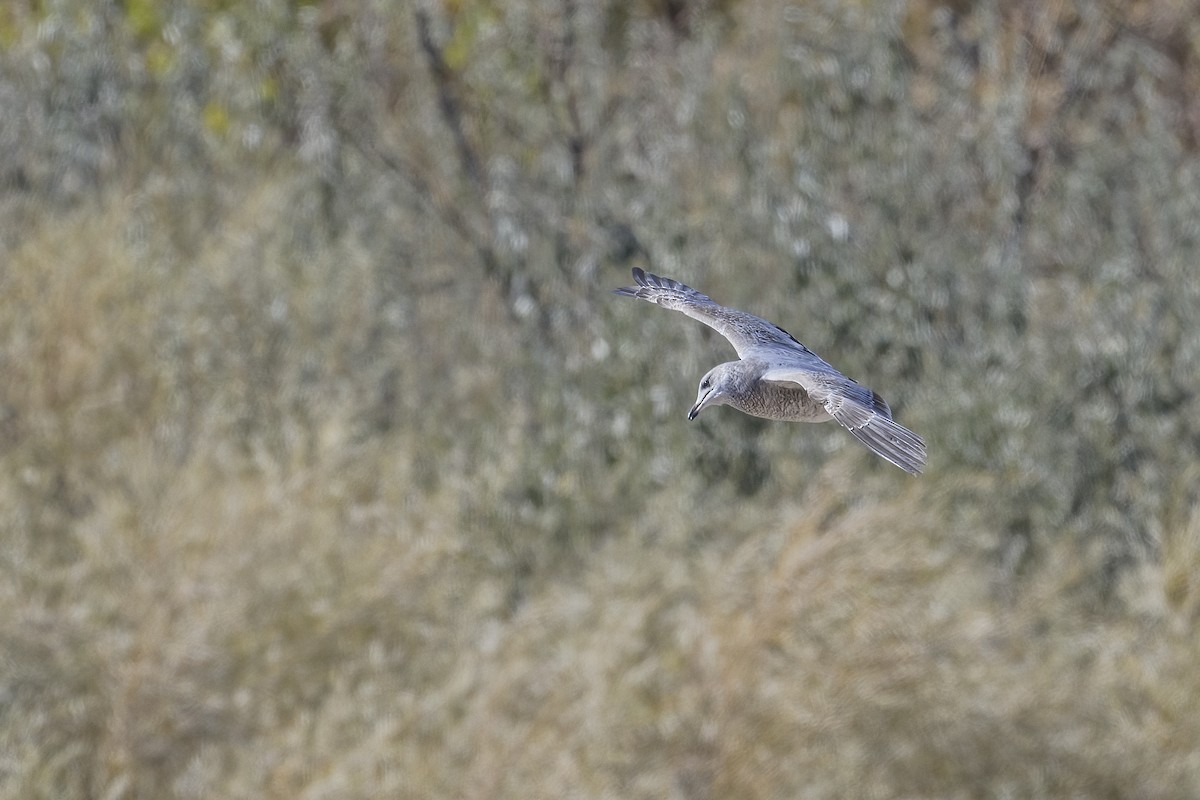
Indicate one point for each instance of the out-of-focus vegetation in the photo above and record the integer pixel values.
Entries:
(331, 469)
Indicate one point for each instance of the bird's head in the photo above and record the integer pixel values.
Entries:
(714, 390)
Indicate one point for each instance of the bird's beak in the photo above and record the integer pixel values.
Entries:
(695, 410)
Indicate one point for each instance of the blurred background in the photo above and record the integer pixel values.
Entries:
(331, 468)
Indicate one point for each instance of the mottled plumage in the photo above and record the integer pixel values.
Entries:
(779, 378)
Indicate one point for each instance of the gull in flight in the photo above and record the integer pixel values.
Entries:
(776, 377)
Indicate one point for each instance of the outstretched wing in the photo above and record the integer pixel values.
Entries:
(745, 332)
(859, 410)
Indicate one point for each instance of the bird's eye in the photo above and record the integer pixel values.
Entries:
(704, 384)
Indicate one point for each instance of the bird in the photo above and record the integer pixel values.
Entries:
(776, 377)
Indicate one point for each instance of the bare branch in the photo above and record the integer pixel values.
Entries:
(443, 78)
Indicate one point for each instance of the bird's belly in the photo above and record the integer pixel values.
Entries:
(805, 412)
(783, 403)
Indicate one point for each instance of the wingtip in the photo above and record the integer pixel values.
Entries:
(893, 443)
(913, 467)
(642, 279)
(911, 462)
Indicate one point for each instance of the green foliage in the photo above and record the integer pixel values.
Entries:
(142, 17)
(331, 467)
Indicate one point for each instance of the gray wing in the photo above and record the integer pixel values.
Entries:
(745, 332)
(859, 410)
